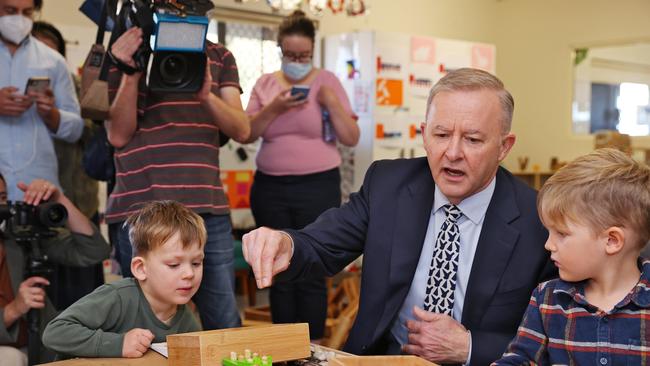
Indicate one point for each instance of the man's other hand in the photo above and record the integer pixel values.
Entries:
(13, 104)
(437, 337)
(45, 104)
(136, 342)
(39, 190)
(203, 95)
(31, 294)
(125, 46)
(268, 252)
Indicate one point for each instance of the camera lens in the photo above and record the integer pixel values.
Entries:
(52, 214)
(174, 69)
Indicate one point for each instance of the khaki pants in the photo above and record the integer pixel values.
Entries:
(11, 356)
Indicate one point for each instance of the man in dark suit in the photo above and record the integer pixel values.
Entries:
(454, 234)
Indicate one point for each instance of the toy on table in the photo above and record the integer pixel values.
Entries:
(247, 359)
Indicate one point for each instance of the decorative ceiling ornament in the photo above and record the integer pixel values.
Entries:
(355, 7)
(317, 7)
(291, 4)
(336, 6)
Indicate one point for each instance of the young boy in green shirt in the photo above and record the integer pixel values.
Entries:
(123, 318)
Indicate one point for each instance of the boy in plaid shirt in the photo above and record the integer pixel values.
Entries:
(597, 212)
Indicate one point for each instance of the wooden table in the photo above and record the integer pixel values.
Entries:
(151, 358)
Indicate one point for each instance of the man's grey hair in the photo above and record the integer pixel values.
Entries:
(468, 79)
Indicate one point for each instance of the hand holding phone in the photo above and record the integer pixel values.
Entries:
(301, 90)
(12, 102)
(37, 85)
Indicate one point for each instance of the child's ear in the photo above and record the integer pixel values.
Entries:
(139, 268)
(615, 239)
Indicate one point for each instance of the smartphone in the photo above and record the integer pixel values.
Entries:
(302, 90)
(37, 84)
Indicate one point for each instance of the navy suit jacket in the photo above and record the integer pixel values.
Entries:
(386, 221)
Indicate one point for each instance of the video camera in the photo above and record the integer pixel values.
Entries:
(28, 224)
(175, 31)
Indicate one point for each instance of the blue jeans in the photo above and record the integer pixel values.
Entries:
(216, 296)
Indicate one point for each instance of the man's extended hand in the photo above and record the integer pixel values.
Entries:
(268, 252)
(136, 342)
(437, 337)
(13, 104)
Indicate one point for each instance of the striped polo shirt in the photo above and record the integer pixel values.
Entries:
(561, 328)
(174, 153)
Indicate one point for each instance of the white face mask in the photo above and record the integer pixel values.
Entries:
(296, 70)
(14, 28)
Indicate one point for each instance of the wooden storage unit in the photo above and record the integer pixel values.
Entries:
(533, 179)
(379, 360)
(283, 342)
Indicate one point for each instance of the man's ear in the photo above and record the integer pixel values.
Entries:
(423, 127)
(615, 237)
(139, 268)
(507, 142)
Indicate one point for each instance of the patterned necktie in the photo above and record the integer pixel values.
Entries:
(439, 296)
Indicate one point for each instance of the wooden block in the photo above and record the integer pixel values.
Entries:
(283, 342)
(379, 360)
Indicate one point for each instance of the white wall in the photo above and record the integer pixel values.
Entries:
(534, 40)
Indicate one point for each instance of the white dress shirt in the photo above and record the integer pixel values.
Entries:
(469, 224)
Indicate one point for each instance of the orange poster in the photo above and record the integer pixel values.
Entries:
(390, 92)
(237, 186)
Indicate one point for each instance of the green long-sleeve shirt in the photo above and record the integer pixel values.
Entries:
(95, 325)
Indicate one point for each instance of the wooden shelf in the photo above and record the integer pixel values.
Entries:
(533, 179)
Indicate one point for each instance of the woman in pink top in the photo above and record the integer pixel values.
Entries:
(297, 174)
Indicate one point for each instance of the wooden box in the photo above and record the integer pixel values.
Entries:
(379, 360)
(283, 342)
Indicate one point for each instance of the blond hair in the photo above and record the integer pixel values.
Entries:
(468, 79)
(157, 221)
(602, 189)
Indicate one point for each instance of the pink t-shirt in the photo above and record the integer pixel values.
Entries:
(292, 144)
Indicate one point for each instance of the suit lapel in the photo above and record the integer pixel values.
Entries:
(411, 219)
(495, 245)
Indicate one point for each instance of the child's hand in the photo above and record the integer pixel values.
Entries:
(136, 342)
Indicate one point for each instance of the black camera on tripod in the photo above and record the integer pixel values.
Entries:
(27, 225)
(175, 31)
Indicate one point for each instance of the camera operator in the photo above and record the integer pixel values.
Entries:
(167, 147)
(81, 245)
(30, 117)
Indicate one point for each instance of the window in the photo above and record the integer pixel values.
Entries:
(612, 89)
(254, 47)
